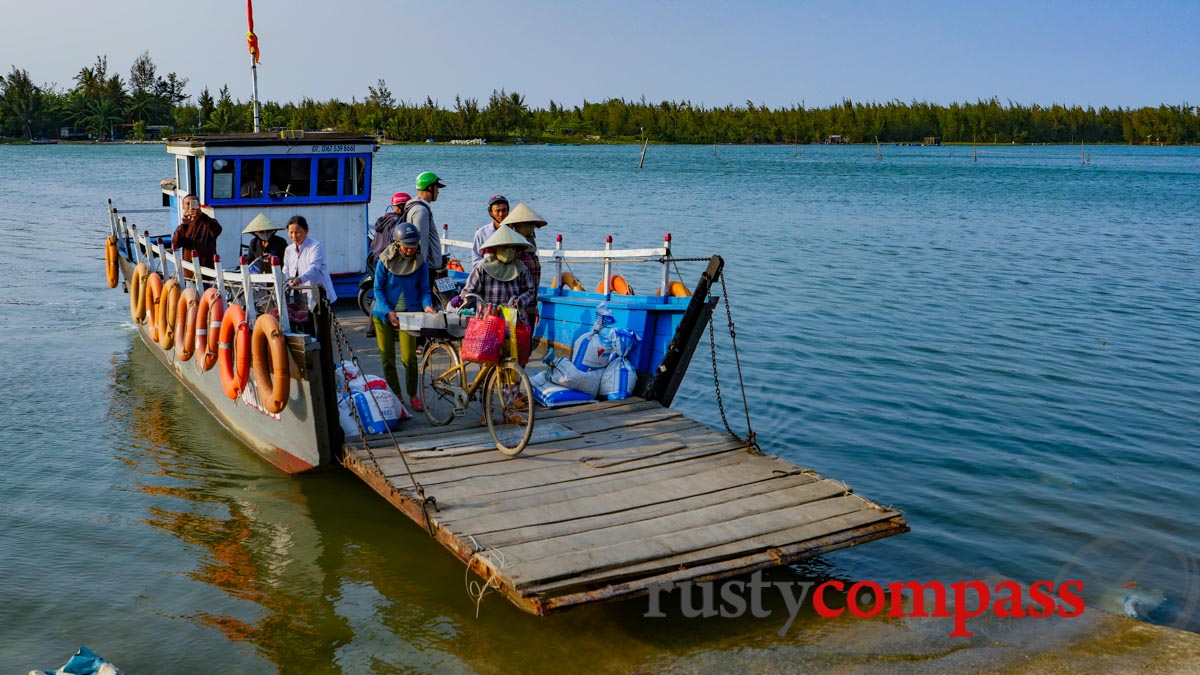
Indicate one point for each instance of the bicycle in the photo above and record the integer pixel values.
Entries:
(506, 390)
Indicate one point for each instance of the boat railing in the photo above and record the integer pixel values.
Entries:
(607, 257)
(232, 284)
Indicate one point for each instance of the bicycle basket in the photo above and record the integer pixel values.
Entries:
(484, 339)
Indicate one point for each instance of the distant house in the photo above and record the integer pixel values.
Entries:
(73, 134)
(836, 139)
(932, 140)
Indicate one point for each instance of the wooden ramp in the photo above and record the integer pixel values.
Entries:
(609, 500)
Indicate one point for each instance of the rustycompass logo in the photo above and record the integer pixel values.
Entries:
(959, 600)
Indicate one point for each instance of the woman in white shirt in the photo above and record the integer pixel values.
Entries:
(304, 261)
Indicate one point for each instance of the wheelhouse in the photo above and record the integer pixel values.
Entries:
(323, 176)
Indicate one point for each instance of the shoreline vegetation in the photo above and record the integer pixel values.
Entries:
(614, 141)
(104, 106)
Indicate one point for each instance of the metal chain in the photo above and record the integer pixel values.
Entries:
(339, 339)
(751, 437)
(712, 343)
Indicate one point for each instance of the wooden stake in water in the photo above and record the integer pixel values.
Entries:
(974, 153)
(878, 148)
(642, 162)
(714, 146)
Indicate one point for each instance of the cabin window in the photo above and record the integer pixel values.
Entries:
(222, 178)
(192, 181)
(327, 176)
(272, 179)
(293, 177)
(355, 176)
(181, 175)
(251, 179)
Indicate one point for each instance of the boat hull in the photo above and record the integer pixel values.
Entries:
(296, 439)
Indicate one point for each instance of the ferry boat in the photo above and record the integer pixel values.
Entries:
(611, 499)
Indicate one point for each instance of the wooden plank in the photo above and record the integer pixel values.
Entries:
(610, 515)
(616, 495)
(552, 497)
(556, 453)
(542, 433)
(630, 404)
(793, 541)
(472, 437)
(603, 422)
(437, 432)
(420, 428)
(528, 564)
(599, 442)
(621, 531)
(484, 488)
(561, 467)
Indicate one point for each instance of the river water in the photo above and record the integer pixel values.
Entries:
(1007, 350)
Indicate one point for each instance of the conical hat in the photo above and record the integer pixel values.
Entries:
(523, 214)
(504, 236)
(261, 223)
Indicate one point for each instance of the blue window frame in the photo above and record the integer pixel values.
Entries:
(288, 179)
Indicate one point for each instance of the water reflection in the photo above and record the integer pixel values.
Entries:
(249, 528)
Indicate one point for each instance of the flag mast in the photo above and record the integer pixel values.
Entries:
(252, 43)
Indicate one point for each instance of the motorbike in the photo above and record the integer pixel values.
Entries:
(366, 287)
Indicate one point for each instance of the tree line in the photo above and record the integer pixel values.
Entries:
(103, 105)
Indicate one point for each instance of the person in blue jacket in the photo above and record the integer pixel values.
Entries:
(401, 283)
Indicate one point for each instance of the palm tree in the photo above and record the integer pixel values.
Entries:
(142, 106)
(223, 120)
(102, 114)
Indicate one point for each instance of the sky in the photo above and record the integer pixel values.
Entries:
(777, 53)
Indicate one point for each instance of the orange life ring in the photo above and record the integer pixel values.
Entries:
(616, 284)
(455, 265)
(675, 289)
(185, 320)
(208, 326)
(112, 271)
(167, 314)
(569, 281)
(137, 292)
(269, 358)
(233, 354)
(154, 287)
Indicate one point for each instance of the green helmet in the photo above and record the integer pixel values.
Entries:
(428, 180)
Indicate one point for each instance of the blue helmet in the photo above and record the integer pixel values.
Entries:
(408, 235)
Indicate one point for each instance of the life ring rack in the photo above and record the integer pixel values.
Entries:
(270, 363)
(233, 352)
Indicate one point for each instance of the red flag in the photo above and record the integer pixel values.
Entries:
(251, 38)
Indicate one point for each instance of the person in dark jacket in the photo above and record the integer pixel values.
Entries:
(401, 285)
(198, 232)
(387, 223)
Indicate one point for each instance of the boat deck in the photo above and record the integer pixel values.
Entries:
(609, 499)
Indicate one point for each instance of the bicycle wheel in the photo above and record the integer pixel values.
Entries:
(440, 380)
(509, 408)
